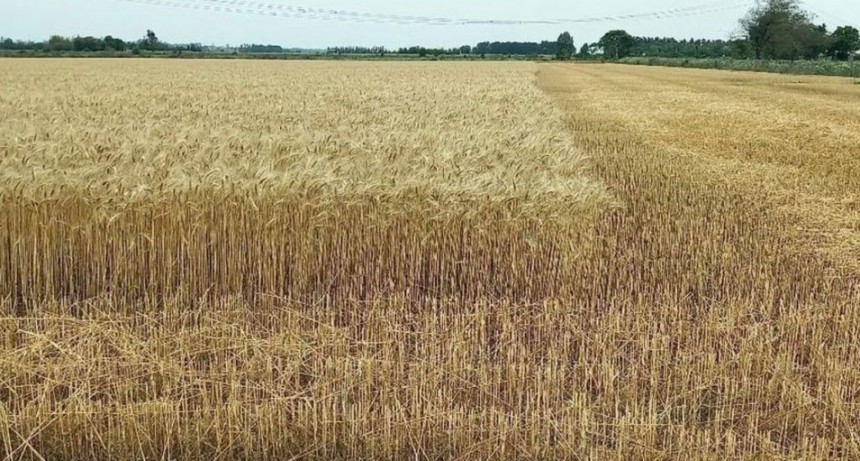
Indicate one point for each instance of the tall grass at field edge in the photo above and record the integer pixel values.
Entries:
(821, 67)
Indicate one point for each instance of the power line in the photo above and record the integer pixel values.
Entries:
(313, 13)
(443, 20)
(274, 12)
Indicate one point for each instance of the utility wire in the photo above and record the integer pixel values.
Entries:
(440, 20)
(313, 13)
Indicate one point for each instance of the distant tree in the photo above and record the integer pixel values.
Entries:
(114, 44)
(255, 48)
(667, 47)
(151, 42)
(740, 48)
(88, 44)
(465, 49)
(844, 42)
(565, 47)
(58, 43)
(815, 41)
(617, 43)
(545, 47)
(585, 51)
(195, 47)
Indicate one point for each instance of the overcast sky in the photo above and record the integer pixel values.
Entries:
(38, 19)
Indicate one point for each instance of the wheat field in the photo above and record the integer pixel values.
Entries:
(310, 260)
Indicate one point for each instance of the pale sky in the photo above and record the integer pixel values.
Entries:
(127, 19)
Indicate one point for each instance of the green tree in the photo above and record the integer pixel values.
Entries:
(88, 44)
(565, 47)
(58, 43)
(740, 48)
(617, 43)
(114, 44)
(815, 40)
(844, 42)
(781, 29)
(151, 42)
(585, 51)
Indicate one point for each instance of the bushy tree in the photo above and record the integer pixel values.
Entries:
(844, 42)
(740, 48)
(585, 51)
(88, 44)
(114, 44)
(565, 47)
(781, 29)
(58, 43)
(151, 42)
(617, 43)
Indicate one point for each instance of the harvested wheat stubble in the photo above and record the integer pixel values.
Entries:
(756, 227)
(268, 260)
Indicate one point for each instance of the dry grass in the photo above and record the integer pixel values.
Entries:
(260, 260)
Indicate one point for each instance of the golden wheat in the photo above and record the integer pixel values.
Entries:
(260, 260)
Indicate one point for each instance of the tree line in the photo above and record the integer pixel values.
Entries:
(772, 29)
(255, 48)
(357, 50)
(58, 43)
